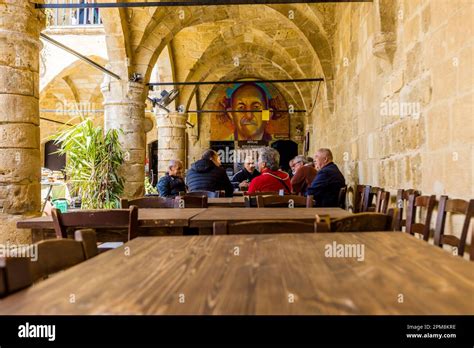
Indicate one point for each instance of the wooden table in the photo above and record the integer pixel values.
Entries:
(147, 218)
(272, 274)
(169, 217)
(227, 202)
(207, 217)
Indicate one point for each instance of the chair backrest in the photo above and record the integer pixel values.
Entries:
(116, 218)
(453, 206)
(250, 200)
(263, 227)
(471, 252)
(350, 199)
(361, 222)
(45, 258)
(55, 255)
(401, 206)
(415, 205)
(382, 201)
(208, 194)
(148, 202)
(361, 198)
(288, 201)
(369, 196)
(263, 193)
(88, 238)
(189, 201)
(14, 274)
(341, 199)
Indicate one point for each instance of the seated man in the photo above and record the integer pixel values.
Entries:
(208, 175)
(243, 177)
(304, 175)
(329, 180)
(271, 178)
(172, 183)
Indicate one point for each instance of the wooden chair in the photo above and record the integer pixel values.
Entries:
(361, 222)
(263, 193)
(148, 202)
(288, 201)
(55, 255)
(110, 219)
(369, 194)
(52, 256)
(341, 199)
(208, 194)
(190, 201)
(401, 206)
(415, 203)
(263, 227)
(360, 193)
(350, 199)
(471, 252)
(250, 200)
(453, 206)
(382, 201)
(88, 238)
(14, 274)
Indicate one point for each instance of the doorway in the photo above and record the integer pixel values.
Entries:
(288, 150)
(53, 160)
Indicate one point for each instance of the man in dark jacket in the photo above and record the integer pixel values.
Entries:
(172, 183)
(328, 181)
(208, 175)
(243, 177)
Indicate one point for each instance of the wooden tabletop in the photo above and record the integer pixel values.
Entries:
(146, 218)
(272, 274)
(207, 217)
(227, 202)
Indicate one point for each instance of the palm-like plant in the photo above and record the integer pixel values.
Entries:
(93, 159)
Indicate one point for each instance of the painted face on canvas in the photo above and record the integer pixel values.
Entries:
(248, 100)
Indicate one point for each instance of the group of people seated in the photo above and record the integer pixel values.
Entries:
(320, 178)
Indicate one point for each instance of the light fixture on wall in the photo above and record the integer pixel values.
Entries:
(136, 77)
(165, 100)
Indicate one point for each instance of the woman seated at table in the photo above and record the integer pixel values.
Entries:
(271, 178)
(172, 183)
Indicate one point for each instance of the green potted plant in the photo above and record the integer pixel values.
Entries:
(93, 159)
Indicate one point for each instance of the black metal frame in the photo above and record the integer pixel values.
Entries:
(78, 55)
(224, 111)
(198, 83)
(191, 3)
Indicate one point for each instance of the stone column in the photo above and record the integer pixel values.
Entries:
(171, 138)
(20, 166)
(124, 109)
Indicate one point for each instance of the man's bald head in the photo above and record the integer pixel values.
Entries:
(322, 157)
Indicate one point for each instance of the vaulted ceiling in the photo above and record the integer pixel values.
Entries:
(227, 43)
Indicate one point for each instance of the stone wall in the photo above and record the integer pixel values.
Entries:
(403, 113)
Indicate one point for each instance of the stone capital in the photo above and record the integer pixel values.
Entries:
(118, 92)
(171, 120)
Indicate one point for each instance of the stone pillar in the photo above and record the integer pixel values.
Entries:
(171, 138)
(124, 109)
(20, 165)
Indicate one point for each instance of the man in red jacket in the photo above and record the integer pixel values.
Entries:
(271, 178)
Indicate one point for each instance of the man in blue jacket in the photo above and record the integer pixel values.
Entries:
(327, 183)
